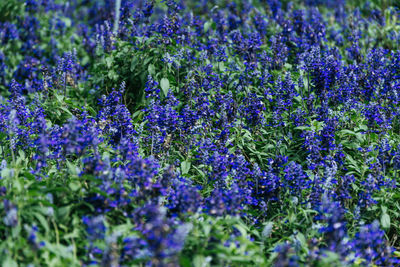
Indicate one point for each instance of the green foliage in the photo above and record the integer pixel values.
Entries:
(10, 9)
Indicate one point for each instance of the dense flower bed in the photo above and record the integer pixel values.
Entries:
(199, 133)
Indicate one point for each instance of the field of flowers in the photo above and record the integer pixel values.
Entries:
(199, 133)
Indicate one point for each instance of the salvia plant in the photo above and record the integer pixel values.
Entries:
(199, 133)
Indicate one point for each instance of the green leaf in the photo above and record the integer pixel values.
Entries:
(302, 239)
(7, 173)
(151, 69)
(42, 221)
(109, 61)
(207, 26)
(267, 229)
(112, 75)
(134, 62)
(185, 261)
(22, 154)
(15, 232)
(347, 132)
(73, 234)
(221, 66)
(9, 262)
(206, 229)
(384, 209)
(303, 128)
(385, 221)
(74, 185)
(185, 167)
(72, 169)
(60, 98)
(63, 212)
(201, 261)
(165, 85)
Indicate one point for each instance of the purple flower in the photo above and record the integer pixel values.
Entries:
(33, 239)
(95, 227)
(11, 216)
(370, 244)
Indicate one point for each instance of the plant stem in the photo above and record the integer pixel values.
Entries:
(116, 20)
